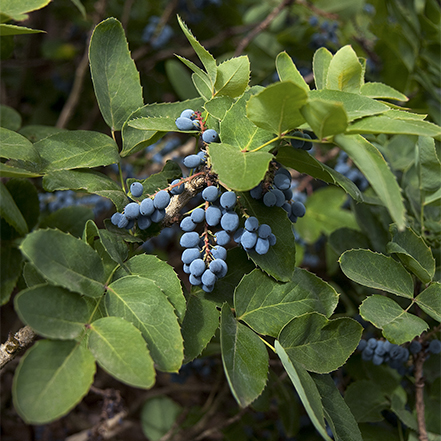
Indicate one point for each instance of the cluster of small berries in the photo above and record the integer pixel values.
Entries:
(190, 120)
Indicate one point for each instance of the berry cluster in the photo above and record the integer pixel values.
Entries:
(191, 120)
(345, 168)
(325, 35)
(303, 144)
(277, 191)
(155, 33)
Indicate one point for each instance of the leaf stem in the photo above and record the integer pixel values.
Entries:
(271, 347)
(266, 143)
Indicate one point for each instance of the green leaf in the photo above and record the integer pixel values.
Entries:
(318, 344)
(159, 272)
(77, 149)
(305, 388)
(88, 180)
(32, 277)
(200, 323)
(233, 76)
(267, 306)
(355, 105)
(277, 107)
(68, 219)
(65, 373)
(320, 66)
(377, 271)
(52, 311)
(17, 9)
(386, 124)
(304, 162)
(288, 71)
(36, 132)
(9, 29)
(10, 212)
(120, 350)
(325, 117)
(16, 146)
(345, 72)
(279, 261)
(206, 58)
(345, 239)
(244, 357)
(238, 170)
(428, 165)
(324, 214)
(337, 413)
(158, 415)
(142, 303)
(366, 400)
(135, 140)
(218, 106)
(430, 301)
(380, 90)
(9, 118)
(65, 261)
(398, 325)
(159, 124)
(115, 78)
(201, 86)
(376, 170)
(413, 253)
(11, 264)
(180, 79)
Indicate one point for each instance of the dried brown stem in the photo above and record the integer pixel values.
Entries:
(419, 396)
(23, 338)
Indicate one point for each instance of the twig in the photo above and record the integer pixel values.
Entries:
(419, 396)
(23, 338)
(261, 26)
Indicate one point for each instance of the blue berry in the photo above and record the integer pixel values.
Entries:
(144, 222)
(269, 199)
(198, 215)
(297, 143)
(282, 182)
(367, 354)
(131, 211)
(197, 267)
(264, 231)
(208, 277)
(298, 209)
(218, 267)
(209, 136)
(262, 246)
(189, 240)
(162, 199)
(272, 239)
(136, 189)
(187, 224)
(280, 197)
(207, 288)
(222, 237)
(219, 252)
(147, 207)
(186, 268)
(379, 350)
(178, 189)
(123, 221)
(192, 161)
(210, 193)
(372, 343)
(248, 240)
(377, 359)
(361, 345)
(252, 224)
(194, 280)
(415, 347)
(158, 215)
(228, 199)
(230, 221)
(283, 171)
(256, 192)
(434, 347)
(202, 155)
(187, 113)
(185, 124)
(237, 235)
(308, 144)
(116, 217)
(190, 254)
(213, 216)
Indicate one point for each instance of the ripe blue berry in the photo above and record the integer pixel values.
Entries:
(282, 182)
(298, 209)
(178, 189)
(189, 240)
(194, 280)
(198, 215)
(116, 217)
(136, 189)
(210, 193)
(209, 136)
(434, 347)
(228, 199)
(192, 161)
(264, 231)
(187, 113)
(280, 197)
(256, 192)
(161, 200)
(269, 199)
(237, 235)
(185, 124)
(415, 347)
(187, 224)
(144, 222)
(218, 267)
(222, 237)
(131, 211)
(147, 207)
(158, 215)
(190, 254)
(252, 224)
(272, 239)
(219, 252)
(197, 267)
(308, 144)
(123, 221)
(248, 240)
(297, 143)
(213, 216)
(208, 278)
(230, 221)
(262, 246)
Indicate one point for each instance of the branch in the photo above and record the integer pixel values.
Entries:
(23, 338)
(419, 396)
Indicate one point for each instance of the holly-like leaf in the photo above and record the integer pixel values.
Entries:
(115, 78)
(267, 305)
(429, 166)
(287, 71)
(120, 350)
(65, 373)
(52, 311)
(377, 271)
(398, 325)
(430, 301)
(244, 357)
(320, 66)
(380, 90)
(233, 76)
(16, 146)
(318, 344)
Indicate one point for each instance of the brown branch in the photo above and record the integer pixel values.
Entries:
(23, 338)
(419, 396)
(261, 26)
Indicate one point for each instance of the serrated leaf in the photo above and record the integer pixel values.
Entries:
(76, 149)
(68, 219)
(356, 106)
(17, 9)
(36, 132)
(428, 166)
(386, 124)
(318, 344)
(244, 357)
(65, 373)
(305, 388)
(206, 58)
(267, 305)
(233, 76)
(9, 29)
(88, 180)
(304, 162)
(337, 413)
(141, 302)
(288, 71)
(279, 261)
(218, 106)
(345, 72)
(238, 170)
(413, 253)
(31, 276)
(377, 271)
(120, 350)
(200, 324)
(376, 170)
(135, 140)
(277, 107)
(159, 272)
(430, 301)
(320, 66)
(65, 261)
(52, 311)
(398, 325)
(159, 124)
(10, 212)
(115, 78)
(380, 90)
(11, 264)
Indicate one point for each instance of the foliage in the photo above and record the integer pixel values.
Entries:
(90, 292)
